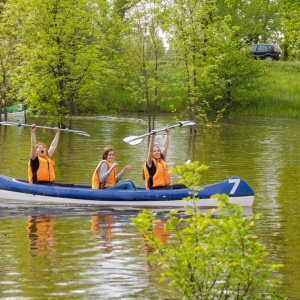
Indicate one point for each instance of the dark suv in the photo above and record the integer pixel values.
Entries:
(266, 51)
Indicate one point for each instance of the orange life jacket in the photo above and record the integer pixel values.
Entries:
(111, 179)
(161, 176)
(45, 171)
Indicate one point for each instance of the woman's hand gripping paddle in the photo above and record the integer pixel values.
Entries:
(134, 140)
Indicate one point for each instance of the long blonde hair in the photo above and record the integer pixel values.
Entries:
(161, 156)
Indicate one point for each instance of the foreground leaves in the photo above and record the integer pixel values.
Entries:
(211, 256)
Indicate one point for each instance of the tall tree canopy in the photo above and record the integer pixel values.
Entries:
(62, 52)
(77, 57)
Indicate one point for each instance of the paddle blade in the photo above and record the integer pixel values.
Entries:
(129, 139)
(135, 142)
(67, 130)
(8, 123)
(80, 132)
(187, 123)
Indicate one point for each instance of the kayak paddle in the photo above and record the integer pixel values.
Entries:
(134, 140)
(66, 130)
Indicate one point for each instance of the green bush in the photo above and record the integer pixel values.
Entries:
(210, 256)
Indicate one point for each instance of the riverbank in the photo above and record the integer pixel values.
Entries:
(279, 94)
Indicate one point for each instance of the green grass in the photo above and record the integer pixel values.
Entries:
(279, 94)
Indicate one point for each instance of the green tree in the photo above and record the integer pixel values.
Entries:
(6, 58)
(122, 6)
(254, 21)
(62, 63)
(145, 51)
(6, 63)
(212, 72)
(210, 256)
(76, 57)
(291, 28)
(2, 3)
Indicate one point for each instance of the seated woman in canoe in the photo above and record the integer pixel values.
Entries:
(40, 166)
(105, 174)
(155, 173)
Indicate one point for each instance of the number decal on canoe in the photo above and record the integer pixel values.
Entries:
(235, 186)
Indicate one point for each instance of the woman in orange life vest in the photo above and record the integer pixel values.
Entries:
(105, 174)
(155, 172)
(40, 166)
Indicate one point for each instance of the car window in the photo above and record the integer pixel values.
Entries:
(253, 48)
(261, 48)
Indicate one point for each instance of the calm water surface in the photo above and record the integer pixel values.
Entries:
(64, 252)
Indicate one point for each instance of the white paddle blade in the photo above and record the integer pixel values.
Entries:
(187, 123)
(135, 142)
(130, 139)
(8, 124)
(80, 132)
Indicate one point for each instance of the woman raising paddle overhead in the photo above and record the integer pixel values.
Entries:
(155, 172)
(105, 174)
(40, 166)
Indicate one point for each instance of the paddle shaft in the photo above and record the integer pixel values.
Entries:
(160, 130)
(19, 124)
(133, 140)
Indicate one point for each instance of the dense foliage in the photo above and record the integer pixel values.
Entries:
(67, 58)
(214, 255)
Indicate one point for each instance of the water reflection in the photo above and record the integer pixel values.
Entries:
(163, 237)
(102, 229)
(159, 232)
(73, 252)
(41, 235)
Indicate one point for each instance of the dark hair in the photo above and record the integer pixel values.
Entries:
(106, 151)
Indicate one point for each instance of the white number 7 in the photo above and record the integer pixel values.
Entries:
(235, 186)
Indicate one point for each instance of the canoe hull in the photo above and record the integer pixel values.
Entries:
(244, 201)
(237, 189)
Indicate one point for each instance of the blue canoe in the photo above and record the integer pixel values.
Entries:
(236, 188)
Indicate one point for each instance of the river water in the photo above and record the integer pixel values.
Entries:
(87, 252)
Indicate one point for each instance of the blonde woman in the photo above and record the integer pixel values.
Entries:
(156, 171)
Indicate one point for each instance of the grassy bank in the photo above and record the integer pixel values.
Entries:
(280, 91)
